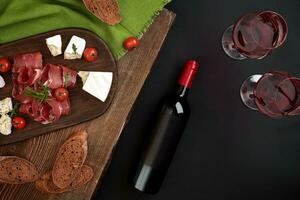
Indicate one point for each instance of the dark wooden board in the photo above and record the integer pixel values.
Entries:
(84, 106)
(103, 132)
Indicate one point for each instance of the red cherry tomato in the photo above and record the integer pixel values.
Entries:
(90, 54)
(131, 43)
(4, 65)
(19, 122)
(61, 94)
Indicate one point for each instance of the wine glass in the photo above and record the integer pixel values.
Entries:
(254, 35)
(275, 94)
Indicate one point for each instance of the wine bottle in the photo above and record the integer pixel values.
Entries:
(163, 139)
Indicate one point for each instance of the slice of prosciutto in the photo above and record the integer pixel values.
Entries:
(28, 76)
(55, 76)
(47, 112)
(28, 60)
(40, 112)
(27, 69)
(69, 77)
(52, 76)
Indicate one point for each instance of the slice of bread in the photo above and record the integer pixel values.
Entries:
(46, 185)
(86, 174)
(70, 159)
(16, 170)
(106, 10)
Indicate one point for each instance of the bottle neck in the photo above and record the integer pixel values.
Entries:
(188, 74)
(181, 91)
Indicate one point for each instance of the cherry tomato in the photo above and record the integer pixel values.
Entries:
(19, 122)
(4, 65)
(61, 94)
(131, 43)
(90, 54)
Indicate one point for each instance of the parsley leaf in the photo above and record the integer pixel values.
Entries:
(74, 48)
(66, 79)
(15, 110)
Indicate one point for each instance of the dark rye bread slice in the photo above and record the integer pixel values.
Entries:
(106, 10)
(70, 159)
(85, 175)
(45, 183)
(16, 170)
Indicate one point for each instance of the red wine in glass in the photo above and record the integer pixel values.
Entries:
(255, 35)
(275, 94)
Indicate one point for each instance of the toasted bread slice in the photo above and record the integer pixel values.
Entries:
(16, 170)
(85, 175)
(70, 159)
(106, 10)
(45, 183)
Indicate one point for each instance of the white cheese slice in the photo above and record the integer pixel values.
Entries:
(5, 124)
(83, 75)
(54, 44)
(75, 48)
(2, 82)
(5, 106)
(97, 84)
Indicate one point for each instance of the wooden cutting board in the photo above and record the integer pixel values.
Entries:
(103, 131)
(81, 109)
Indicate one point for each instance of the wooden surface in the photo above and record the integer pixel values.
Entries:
(104, 131)
(81, 101)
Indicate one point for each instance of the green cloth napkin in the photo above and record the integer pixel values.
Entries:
(23, 18)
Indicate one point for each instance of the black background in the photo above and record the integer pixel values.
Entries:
(227, 151)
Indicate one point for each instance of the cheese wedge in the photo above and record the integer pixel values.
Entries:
(5, 124)
(75, 48)
(2, 82)
(5, 106)
(54, 45)
(97, 84)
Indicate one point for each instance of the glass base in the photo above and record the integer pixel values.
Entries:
(247, 91)
(228, 45)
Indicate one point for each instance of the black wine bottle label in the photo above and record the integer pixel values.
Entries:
(165, 136)
(160, 150)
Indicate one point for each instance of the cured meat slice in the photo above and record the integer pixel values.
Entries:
(55, 76)
(52, 76)
(69, 77)
(27, 70)
(47, 112)
(26, 108)
(28, 76)
(28, 60)
(17, 92)
(66, 107)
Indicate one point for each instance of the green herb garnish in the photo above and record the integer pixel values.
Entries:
(74, 49)
(42, 95)
(66, 79)
(15, 110)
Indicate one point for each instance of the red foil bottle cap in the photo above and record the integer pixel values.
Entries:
(188, 73)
